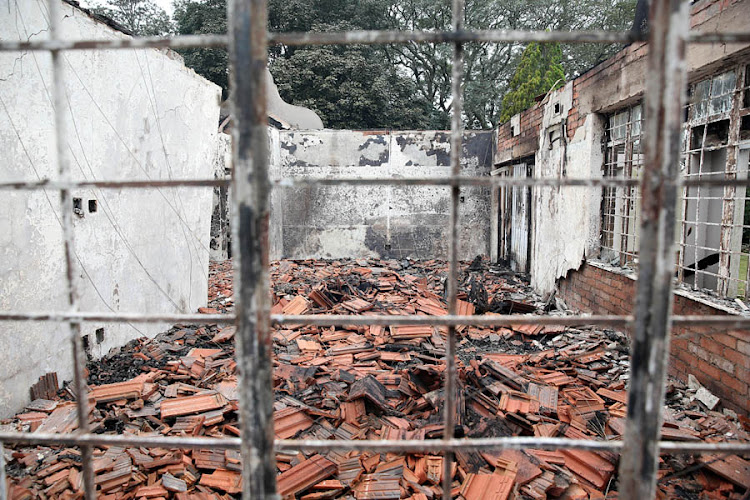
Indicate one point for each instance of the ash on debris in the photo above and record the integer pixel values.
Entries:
(375, 382)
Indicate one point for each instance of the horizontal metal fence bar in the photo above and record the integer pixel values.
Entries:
(105, 317)
(492, 181)
(487, 181)
(115, 184)
(146, 42)
(362, 37)
(385, 445)
(461, 36)
(734, 322)
(292, 182)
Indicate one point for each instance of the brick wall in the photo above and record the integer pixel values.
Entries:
(719, 359)
(524, 144)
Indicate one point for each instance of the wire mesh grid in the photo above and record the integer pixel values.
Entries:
(247, 40)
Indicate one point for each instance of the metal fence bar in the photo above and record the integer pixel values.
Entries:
(389, 445)
(3, 480)
(728, 322)
(66, 200)
(363, 37)
(665, 94)
(450, 386)
(122, 317)
(488, 181)
(247, 62)
(116, 184)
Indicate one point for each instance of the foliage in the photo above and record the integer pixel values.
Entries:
(538, 72)
(350, 88)
(489, 67)
(141, 17)
(413, 79)
(203, 18)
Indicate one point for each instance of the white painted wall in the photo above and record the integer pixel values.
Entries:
(565, 219)
(131, 114)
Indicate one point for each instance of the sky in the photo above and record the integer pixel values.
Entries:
(164, 4)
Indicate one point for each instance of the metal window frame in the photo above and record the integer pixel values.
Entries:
(247, 40)
(619, 210)
(619, 228)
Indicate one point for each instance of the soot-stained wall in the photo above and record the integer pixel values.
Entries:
(377, 221)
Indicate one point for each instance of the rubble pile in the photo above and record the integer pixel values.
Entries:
(374, 383)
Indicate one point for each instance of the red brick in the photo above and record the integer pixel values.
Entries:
(710, 370)
(733, 384)
(679, 344)
(736, 357)
(711, 345)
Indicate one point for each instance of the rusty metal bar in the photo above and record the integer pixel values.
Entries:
(124, 317)
(497, 181)
(493, 181)
(115, 184)
(730, 322)
(247, 61)
(363, 37)
(355, 320)
(665, 96)
(390, 445)
(66, 203)
(450, 386)
(730, 171)
(3, 480)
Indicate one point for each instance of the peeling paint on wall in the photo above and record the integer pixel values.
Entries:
(378, 221)
(131, 114)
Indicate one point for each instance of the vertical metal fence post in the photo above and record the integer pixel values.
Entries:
(665, 89)
(247, 56)
(3, 479)
(66, 210)
(457, 23)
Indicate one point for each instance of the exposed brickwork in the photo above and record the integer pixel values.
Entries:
(585, 85)
(719, 359)
(524, 144)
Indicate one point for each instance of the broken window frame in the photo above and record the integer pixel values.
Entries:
(247, 40)
(620, 204)
(620, 216)
(726, 90)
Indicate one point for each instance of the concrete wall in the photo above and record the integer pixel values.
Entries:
(131, 114)
(376, 221)
(719, 358)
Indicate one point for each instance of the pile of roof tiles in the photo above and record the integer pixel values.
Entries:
(371, 383)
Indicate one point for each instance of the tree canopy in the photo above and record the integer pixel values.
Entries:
(141, 17)
(405, 85)
(539, 71)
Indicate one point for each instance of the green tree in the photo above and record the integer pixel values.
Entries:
(204, 18)
(350, 88)
(141, 17)
(539, 71)
(488, 67)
